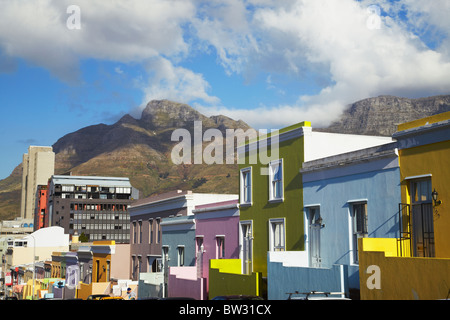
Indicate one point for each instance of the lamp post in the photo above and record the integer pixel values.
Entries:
(34, 264)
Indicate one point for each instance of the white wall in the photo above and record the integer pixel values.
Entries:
(48, 237)
(322, 144)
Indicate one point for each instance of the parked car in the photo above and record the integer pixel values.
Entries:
(176, 298)
(111, 298)
(97, 296)
(237, 297)
(316, 295)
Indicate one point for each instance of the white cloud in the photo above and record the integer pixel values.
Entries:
(295, 38)
(167, 81)
(333, 37)
(36, 30)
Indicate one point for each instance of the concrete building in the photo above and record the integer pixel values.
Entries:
(96, 207)
(38, 167)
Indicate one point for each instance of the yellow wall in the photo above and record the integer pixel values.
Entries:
(421, 122)
(225, 279)
(226, 265)
(400, 278)
(431, 159)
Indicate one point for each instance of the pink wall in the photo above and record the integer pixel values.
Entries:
(210, 223)
(209, 229)
(119, 269)
(183, 282)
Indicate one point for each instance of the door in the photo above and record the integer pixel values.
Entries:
(422, 218)
(315, 225)
(423, 230)
(247, 245)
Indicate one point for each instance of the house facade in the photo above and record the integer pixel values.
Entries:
(346, 197)
(272, 219)
(415, 265)
(211, 233)
(145, 225)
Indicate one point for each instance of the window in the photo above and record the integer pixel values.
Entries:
(165, 254)
(140, 231)
(108, 270)
(276, 180)
(246, 186)
(220, 247)
(180, 256)
(277, 235)
(199, 244)
(359, 223)
(150, 227)
(158, 230)
(246, 241)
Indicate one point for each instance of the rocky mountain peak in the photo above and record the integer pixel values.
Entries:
(159, 114)
(381, 115)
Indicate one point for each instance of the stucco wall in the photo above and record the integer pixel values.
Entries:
(387, 277)
(283, 280)
(379, 188)
(431, 159)
(225, 279)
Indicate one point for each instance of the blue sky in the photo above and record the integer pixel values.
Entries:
(271, 63)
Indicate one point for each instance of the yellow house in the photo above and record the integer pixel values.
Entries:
(424, 153)
(416, 265)
(101, 269)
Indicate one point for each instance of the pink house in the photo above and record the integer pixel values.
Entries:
(216, 237)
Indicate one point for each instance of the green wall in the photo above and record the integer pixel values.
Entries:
(261, 210)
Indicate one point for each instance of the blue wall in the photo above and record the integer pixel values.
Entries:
(333, 191)
(283, 280)
(180, 235)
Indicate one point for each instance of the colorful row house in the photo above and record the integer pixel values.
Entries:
(154, 253)
(274, 224)
(191, 242)
(45, 264)
(415, 265)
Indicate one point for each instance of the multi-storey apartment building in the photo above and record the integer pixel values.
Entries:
(93, 207)
(38, 167)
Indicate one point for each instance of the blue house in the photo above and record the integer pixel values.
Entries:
(345, 197)
(178, 234)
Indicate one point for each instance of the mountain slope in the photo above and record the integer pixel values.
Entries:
(381, 115)
(139, 149)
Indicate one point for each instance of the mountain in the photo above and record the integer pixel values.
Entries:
(381, 115)
(139, 149)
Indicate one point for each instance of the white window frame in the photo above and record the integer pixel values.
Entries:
(180, 256)
(272, 166)
(243, 190)
(220, 247)
(242, 236)
(272, 224)
(354, 233)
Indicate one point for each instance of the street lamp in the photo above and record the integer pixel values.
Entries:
(434, 194)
